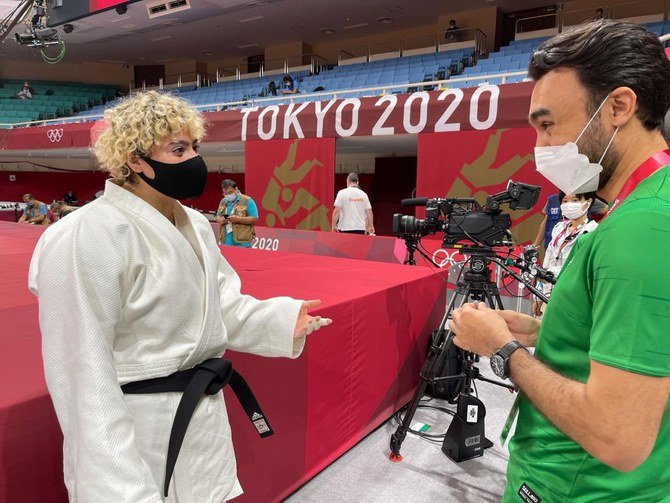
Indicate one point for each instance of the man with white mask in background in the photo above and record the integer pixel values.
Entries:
(593, 416)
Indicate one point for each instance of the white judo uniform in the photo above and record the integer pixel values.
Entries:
(124, 295)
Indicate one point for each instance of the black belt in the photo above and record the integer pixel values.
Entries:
(206, 378)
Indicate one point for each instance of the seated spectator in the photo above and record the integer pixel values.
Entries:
(272, 88)
(70, 198)
(290, 86)
(35, 212)
(60, 209)
(600, 14)
(451, 37)
(26, 92)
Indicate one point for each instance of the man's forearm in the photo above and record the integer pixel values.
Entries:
(336, 217)
(369, 219)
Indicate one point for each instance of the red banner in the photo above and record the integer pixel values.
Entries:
(450, 110)
(292, 182)
(477, 163)
(53, 136)
(483, 107)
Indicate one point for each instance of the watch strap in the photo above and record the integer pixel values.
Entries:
(509, 348)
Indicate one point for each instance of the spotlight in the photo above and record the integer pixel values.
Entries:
(121, 9)
(68, 28)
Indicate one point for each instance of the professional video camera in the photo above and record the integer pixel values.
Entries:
(37, 33)
(465, 219)
(448, 371)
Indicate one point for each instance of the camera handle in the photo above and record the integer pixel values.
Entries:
(517, 277)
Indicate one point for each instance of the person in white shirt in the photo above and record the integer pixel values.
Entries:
(352, 212)
(574, 208)
(133, 290)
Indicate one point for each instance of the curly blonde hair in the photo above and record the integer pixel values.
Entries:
(139, 122)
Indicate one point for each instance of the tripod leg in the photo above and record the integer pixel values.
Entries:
(435, 357)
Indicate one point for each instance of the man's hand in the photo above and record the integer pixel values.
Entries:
(523, 328)
(334, 229)
(307, 324)
(479, 329)
(371, 230)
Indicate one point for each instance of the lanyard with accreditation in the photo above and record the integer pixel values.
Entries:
(646, 169)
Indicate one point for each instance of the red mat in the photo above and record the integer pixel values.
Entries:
(350, 378)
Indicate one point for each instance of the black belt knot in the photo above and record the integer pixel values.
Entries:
(206, 378)
(222, 370)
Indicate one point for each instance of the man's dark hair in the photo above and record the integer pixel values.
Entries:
(228, 183)
(606, 55)
(287, 78)
(452, 21)
(599, 10)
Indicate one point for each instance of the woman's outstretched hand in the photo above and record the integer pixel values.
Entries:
(307, 324)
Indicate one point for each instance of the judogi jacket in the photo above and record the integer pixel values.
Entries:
(125, 295)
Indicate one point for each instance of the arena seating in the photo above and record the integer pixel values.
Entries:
(65, 99)
(393, 71)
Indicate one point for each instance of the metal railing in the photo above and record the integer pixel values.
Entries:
(636, 8)
(621, 10)
(420, 42)
(176, 81)
(529, 18)
(392, 48)
(431, 43)
(227, 73)
(358, 52)
(464, 35)
(374, 90)
(273, 66)
(577, 16)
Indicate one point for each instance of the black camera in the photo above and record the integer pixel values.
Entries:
(464, 219)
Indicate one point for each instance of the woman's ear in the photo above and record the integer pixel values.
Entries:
(135, 163)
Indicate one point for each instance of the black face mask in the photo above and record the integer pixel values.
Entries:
(183, 180)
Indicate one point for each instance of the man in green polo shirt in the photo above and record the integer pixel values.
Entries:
(593, 417)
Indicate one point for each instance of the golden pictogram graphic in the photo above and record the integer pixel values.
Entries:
(279, 187)
(481, 173)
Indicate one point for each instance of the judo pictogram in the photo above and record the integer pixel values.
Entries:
(279, 189)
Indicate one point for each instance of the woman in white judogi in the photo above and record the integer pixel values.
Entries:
(133, 286)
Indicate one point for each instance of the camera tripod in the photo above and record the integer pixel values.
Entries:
(465, 438)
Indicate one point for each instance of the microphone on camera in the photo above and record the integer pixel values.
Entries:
(414, 201)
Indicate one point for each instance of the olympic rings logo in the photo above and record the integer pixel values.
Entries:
(443, 258)
(55, 135)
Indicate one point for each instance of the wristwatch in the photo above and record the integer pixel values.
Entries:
(500, 359)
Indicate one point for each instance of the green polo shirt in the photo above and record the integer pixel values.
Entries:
(611, 305)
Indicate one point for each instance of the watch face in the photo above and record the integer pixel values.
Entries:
(498, 365)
